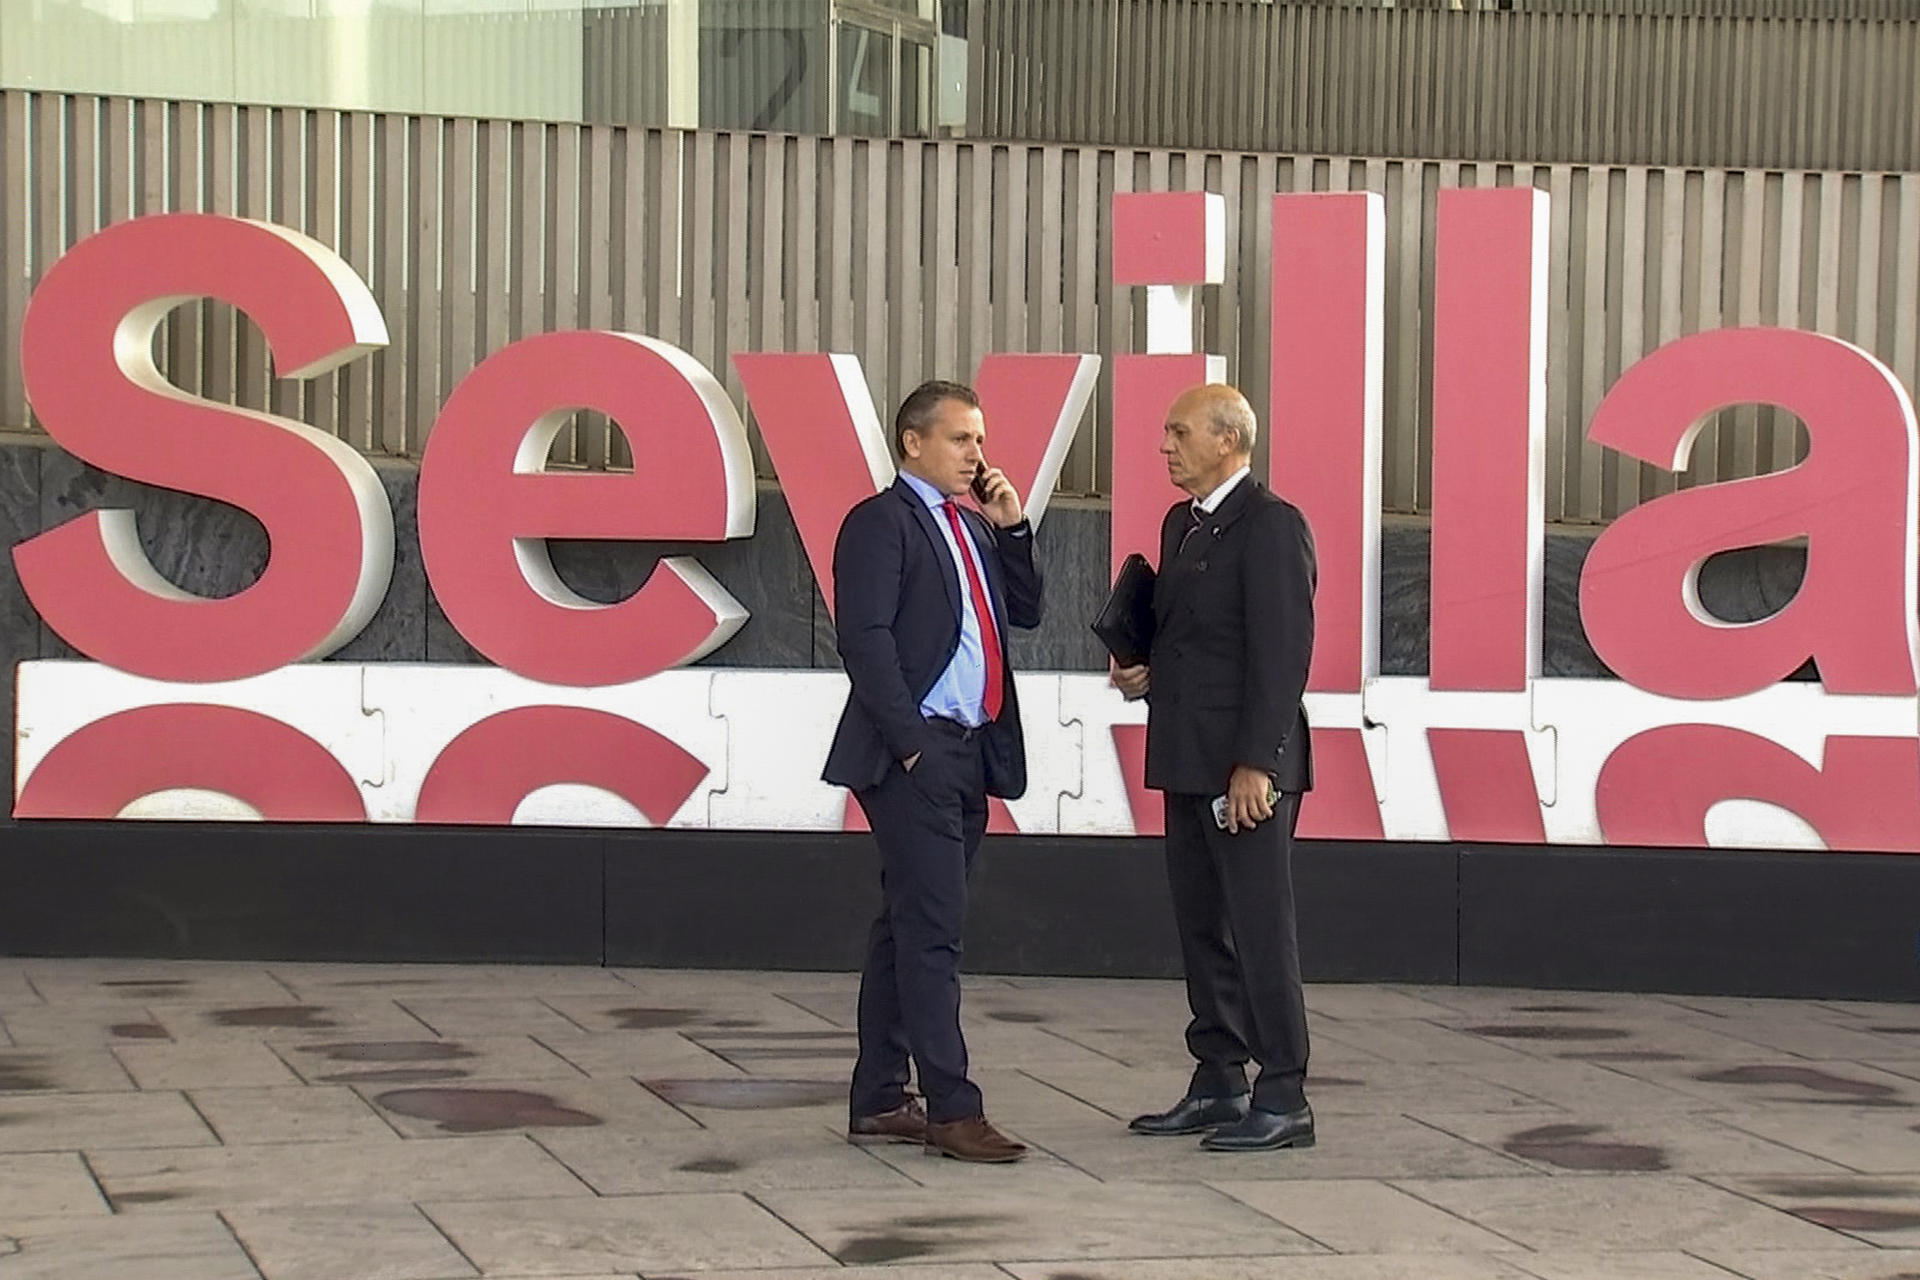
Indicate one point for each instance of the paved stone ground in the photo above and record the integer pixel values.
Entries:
(167, 1121)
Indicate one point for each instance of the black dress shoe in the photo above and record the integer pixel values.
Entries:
(1264, 1131)
(1193, 1115)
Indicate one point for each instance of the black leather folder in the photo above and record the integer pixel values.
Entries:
(1125, 624)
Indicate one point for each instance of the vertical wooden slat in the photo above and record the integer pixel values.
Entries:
(943, 284)
(1630, 331)
(735, 330)
(16, 264)
(461, 268)
(1401, 382)
(182, 129)
(1707, 276)
(427, 278)
(870, 271)
(905, 285)
(1777, 445)
(217, 322)
(1565, 427)
(367, 189)
(561, 243)
(804, 286)
(389, 368)
(1906, 286)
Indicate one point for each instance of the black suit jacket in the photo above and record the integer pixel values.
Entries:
(1233, 608)
(897, 603)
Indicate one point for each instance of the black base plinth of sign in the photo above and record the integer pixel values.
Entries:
(257, 891)
(1729, 922)
(1721, 922)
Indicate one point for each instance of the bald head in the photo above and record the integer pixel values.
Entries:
(1224, 411)
(1209, 436)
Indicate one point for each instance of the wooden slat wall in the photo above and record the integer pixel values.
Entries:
(1540, 83)
(920, 257)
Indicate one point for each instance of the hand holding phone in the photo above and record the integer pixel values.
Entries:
(980, 484)
(1220, 805)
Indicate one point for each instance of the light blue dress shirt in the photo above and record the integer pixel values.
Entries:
(962, 687)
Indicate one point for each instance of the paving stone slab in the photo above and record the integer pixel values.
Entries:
(1574, 1086)
(217, 1064)
(1094, 1222)
(626, 1009)
(290, 1021)
(1367, 1089)
(636, 1054)
(173, 1246)
(617, 1162)
(347, 1242)
(1764, 1080)
(1415, 1266)
(320, 1173)
(1607, 1213)
(1417, 1041)
(1619, 1035)
(1882, 1210)
(1043, 1175)
(1865, 1139)
(50, 1185)
(1601, 1140)
(436, 1110)
(84, 1024)
(458, 1017)
(1851, 1264)
(422, 1057)
(1113, 1090)
(55, 1069)
(156, 982)
(1806, 1036)
(730, 1101)
(627, 1233)
(99, 1122)
(1619, 1266)
(1364, 1002)
(1496, 1002)
(1349, 1146)
(1359, 1216)
(898, 1271)
(251, 1117)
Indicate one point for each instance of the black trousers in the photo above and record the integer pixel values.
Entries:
(928, 824)
(1233, 904)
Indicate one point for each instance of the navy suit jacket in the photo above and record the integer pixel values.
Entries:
(897, 615)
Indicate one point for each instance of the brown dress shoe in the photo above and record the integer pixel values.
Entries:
(973, 1139)
(905, 1123)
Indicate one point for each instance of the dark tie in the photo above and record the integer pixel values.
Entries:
(989, 633)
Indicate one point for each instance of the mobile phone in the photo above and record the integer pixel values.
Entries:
(1220, 805)
(980, 484)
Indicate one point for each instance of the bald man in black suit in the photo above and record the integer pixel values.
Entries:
(1233, 608)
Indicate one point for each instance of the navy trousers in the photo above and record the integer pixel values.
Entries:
(928, 825)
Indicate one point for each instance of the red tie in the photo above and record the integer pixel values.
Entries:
(989, 633)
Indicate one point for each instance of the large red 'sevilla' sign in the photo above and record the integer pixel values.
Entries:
(204, 707)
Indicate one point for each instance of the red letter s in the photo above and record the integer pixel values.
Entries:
(86, 352)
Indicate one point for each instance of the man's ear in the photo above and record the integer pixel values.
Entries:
(910, 443)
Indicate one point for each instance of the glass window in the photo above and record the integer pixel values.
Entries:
(865, 78)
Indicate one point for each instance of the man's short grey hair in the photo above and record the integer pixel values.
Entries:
(1232, 417)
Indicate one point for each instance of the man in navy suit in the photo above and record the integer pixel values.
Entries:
(926, 589)
(1233, 638)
